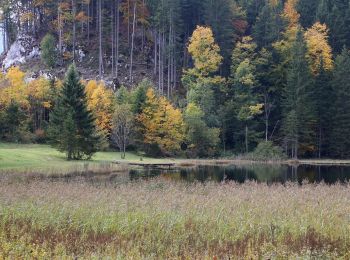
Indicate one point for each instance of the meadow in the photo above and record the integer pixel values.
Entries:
(159, 219)
(22, 157)
(69, 217)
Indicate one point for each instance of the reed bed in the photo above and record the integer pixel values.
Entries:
(78, 170)
(158, 219)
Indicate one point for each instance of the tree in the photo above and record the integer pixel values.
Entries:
(220, 16)
(204, 51)
(200, 81)
(48, 50)
(13, 88)
(101, 102)
(202, 140)
(244, 84)
(340, 138)
(72, 128)
(13, 121)
(162, 124)
(324, 103)
(319, 50)
(123, 122)
(269, 24)
(298, 116)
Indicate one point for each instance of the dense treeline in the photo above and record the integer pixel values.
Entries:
(237, 72)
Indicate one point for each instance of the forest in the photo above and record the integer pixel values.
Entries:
(178, 77)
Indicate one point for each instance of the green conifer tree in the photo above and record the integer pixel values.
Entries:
(324, 100)
(340, 137)
(298, 108)
(72, 128)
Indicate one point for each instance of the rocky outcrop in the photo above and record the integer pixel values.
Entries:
(23, 49)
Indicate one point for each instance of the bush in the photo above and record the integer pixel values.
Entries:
(48, 50)
(267, 151)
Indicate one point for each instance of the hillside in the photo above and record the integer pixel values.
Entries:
(25, 52)
(259, 78)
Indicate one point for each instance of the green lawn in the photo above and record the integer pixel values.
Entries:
(34, 156)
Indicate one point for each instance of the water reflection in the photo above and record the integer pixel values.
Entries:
(259, 173)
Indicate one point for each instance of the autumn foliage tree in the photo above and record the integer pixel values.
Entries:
(204, 51)
(162, 124)
(319, 50)
(101, 102)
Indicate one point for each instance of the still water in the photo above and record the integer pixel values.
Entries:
(258, 173)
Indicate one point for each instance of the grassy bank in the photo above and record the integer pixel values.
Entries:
(32, 156)
(43, 158)
(159, 219)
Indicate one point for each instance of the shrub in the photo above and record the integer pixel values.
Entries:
(267, 151)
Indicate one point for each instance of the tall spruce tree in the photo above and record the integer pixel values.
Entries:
(324, 100)
(269, 25)
(340, 137)
(72, 128)
(298, 112)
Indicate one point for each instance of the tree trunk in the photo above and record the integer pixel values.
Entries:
(60, 32)
(112, 36)
(246, 139)
(74, 10)
(155, 54)
(132, 44)
(88, 22)
(117, 41)
(100, 66)
(320, 143)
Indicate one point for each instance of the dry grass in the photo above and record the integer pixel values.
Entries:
(73, 171)
(164, 220)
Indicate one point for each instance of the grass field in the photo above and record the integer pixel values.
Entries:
(35, 157)
(162, 220)
(32, 156)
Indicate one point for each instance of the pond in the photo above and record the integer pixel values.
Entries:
(259, 173)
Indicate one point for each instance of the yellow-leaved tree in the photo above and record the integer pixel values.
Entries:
(14, 89)
(162, 124)
(41, 98)
(291, 16)
(204, 51)
(101, 102)
(319, 50)
(40, 91)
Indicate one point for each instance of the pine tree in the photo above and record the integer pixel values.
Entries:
(298, 114)
(340, 137)
(72, 128)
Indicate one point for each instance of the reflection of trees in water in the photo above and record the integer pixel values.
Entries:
(254, 172)
(327, 174)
